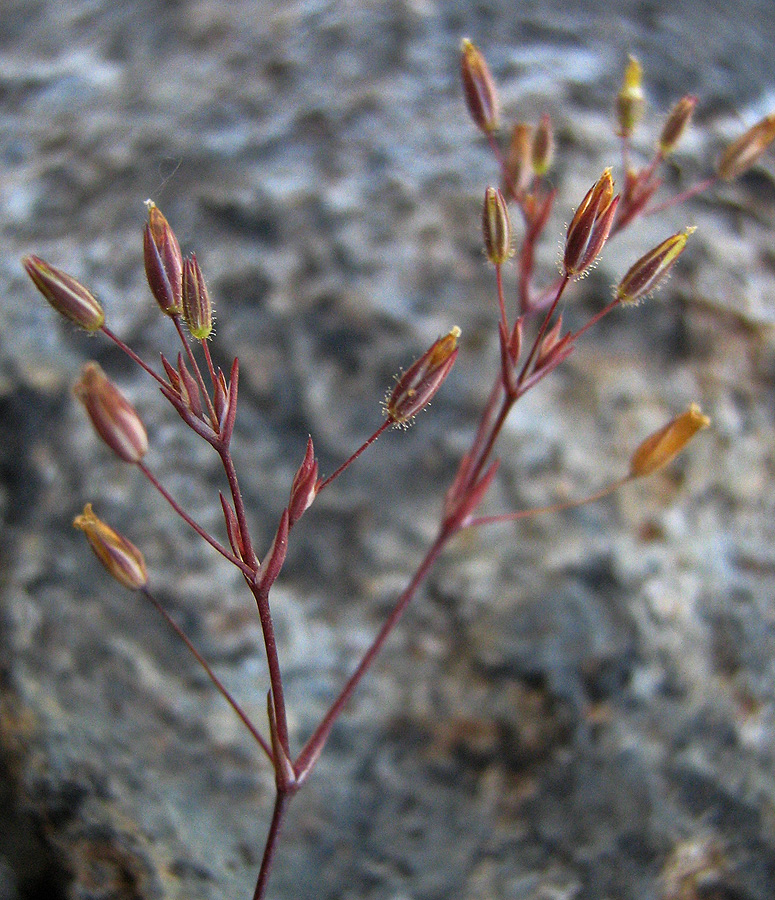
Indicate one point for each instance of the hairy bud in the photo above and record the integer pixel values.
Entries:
(646, 274)
(496, 227)
(417, 386)
(197, 308)
(590, 226)
(743, 153)
(676, 124)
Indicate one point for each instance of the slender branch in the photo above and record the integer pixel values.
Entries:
(246, 570)
(273, 663)
(132, 355)
(309, 755)
(224, 692)
(278, 814)
(545, 510)
(684, 195)
(239, 506)
(350, 460)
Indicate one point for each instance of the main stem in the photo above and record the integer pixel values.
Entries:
(281, 801)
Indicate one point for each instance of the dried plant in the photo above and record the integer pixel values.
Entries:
(532, 339)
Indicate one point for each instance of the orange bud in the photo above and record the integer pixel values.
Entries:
(197, 308)
(590, 225)
(676, 124)
(664, 445)
(112, 415)
(119, 556)
(479, 88)
(746, 150)
(644, 276)
(496, 227)
(163, 262)
(68, 296)
(630, 101)
(418, 385)
(519, 169)
(542, 150)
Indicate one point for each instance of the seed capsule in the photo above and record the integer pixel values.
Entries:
(118, 555)
(68, 296)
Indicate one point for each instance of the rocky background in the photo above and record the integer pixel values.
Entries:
(580, 707)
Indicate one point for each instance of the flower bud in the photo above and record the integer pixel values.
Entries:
(664, 445)
(590, 226)
(68, 297)
(496, 227)
(163, 262)
(630, 101)
(479, 88)
(112, 415)
(197, 309)
(118, 555)
(676, 124)
(743, 153)
(519, 168)
(418, 385)
(644, 276)
(542, 150)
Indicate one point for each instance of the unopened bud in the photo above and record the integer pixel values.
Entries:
(741, 155)
(519, 171)
(590, 226)
(496, 227)
(664, 445)
(68, 296)
(676, 124)
(118, 555)
(112, 415)
(163, 262)
(304, 487)
(646, 274)
(417, 386)
(479, 88)
(197, 309)
(542, 150)
(630, 102)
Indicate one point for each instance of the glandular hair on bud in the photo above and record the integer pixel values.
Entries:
(114, 418)
(653, 267)
(590, 226)
(118, 555)
(416, 387)
(630, 101)
(664, 445)
(479, 89)
(197, 308)
(496, 227)
(68, 296)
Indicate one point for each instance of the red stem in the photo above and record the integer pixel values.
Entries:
(278, 814)
(132, 355)
(325, 483)
(273, 662)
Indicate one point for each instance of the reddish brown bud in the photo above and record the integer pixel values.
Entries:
(163, 262)
(118, 555)
(542, 151)
(479, 88)
(68, 296)
(590, 226)
(304, 487)
(418, 385)
(197, 309)
(741, 155)
(676, 124)
(112, 415)
(496, 227)
(664, 445)
(519, 166)
(630, 101)
(646, 274)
